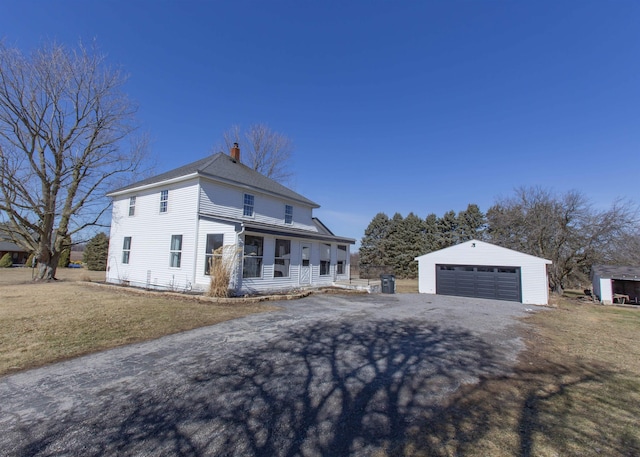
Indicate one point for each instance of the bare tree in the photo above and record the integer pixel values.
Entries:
(63, 123)
(562, 228)
(263, 150)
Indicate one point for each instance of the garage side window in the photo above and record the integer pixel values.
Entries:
(325, 259)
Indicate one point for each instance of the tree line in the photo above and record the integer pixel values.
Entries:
(562, 227)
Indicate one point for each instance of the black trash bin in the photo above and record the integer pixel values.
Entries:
(388, 284)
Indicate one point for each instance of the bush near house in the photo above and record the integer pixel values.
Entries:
(5, 261)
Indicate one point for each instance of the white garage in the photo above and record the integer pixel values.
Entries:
(484, 270)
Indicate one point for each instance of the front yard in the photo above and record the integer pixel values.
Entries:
(42, 323)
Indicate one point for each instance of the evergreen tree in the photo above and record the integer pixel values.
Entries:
(431, 234)
(6, 261)
(371, 245)
(447, 230)
(471, 223)
(413, 245)
(393, 244)
(96, 251)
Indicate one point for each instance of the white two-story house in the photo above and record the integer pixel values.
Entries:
(165, 230)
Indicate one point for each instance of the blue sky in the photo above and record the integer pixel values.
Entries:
(422, 106)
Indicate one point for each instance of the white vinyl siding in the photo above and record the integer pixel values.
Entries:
(149, 260)
(226, 201)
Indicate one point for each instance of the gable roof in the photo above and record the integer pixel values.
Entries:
(222, 168)
(628, 273)
(484, 248)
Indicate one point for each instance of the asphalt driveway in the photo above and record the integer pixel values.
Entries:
(326, 375)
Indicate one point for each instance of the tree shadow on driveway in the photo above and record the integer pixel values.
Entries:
(331, 388)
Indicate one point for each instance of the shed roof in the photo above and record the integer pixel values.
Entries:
(221, 167)
(8, 246)
(628, 273)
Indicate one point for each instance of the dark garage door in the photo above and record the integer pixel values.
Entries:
(497, 283)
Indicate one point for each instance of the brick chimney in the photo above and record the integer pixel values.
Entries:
(235, 152)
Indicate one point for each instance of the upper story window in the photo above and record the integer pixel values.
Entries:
(282, 259)
(132, 206)
(126, 249)
(341, 259)
(252, 259)
(164, 201)
(288, 214)
(176, 251)
(248, 205)
(325, 259)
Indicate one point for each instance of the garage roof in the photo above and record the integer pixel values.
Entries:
(476, 251)
(627, 273)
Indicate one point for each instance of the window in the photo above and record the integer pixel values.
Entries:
(252, 260)
(342, 259)
(176, 251)
(164, 201)
(214, 250)
(325, 259)
(132, 206)
(283, 259)
(248, 205)
(126, 249)
(288, 214)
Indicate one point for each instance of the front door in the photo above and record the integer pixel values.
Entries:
(305, 263)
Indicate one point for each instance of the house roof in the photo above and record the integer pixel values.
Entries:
(483, 250)
(221, 167)
(7, 246)
(628, 273)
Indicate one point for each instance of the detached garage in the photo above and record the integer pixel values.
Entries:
(484, 270)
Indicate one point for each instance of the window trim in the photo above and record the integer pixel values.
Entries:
(259, 256)
(175, 253)
(246, 205)
(132, 206)
(288, 214)
(341, 265)
(164, 201)
(210, 255)
(286, 261)
(126, 250)
(323, 261)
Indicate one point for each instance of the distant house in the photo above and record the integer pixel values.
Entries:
(483, 270)
(613, 283)
(19, 255)
(165, 231)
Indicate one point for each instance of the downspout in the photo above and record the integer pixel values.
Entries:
(238, 282)
(197, 238)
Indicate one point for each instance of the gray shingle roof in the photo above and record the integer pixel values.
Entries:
(221, 167)
(629, 273)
